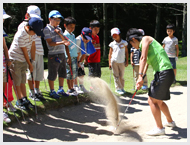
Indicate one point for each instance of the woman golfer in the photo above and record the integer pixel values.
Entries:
(154, 54)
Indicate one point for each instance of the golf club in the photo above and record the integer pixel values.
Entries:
(34, 98)
(127, 107)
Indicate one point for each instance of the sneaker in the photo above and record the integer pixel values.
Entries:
(33, 97)
(144, 88)
(62, 93)
(170, 124)
(123, 91)
(119, 92)
(78, 90)
(83, 89)
(156, 131)
(40, 97)
(72, 92)
(54, 95)
(20, 105)
(27, 103)
(6, 118)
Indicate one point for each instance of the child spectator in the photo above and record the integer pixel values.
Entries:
(83, 41)
(117, 54)
(23, 43)
(93, 60)
(38, 62)
(135, 57)
(56, 53)
(170, 44)
(6, 63)
(69, 24)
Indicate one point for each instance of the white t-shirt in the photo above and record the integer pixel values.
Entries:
(38, 41)
(78, 42)
(21, 39)
(170, 44)
(118, 54)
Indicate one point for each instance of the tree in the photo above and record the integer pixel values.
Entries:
(105, 43)
(184, 32)
(157, 27)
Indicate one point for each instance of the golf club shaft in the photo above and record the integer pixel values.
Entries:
(16, 117)
(34, 98)
(75, 44)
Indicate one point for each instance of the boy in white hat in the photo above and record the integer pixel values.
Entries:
(37, 58)
(117, 54)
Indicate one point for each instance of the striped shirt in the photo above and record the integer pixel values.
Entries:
(38, 42)
(21, 39)
(50, 33)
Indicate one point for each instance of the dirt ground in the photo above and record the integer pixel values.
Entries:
(86, 122)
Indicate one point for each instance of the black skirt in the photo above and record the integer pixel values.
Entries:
(160, 86)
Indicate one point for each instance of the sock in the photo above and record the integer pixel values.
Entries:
(32, 92)
(75, 85)
(60, 87)
(52, 90)
(37, 91)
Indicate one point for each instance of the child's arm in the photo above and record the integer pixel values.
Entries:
(6, 52)
(177, 50)
(109, 57)
(163, 46)
(127, 56)
(68, 54)
(33, 51)
(67, 43)
(24, 50)
(132, 53)
(51, 43)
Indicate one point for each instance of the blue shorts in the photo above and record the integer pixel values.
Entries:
(74, 68)
(173, 62)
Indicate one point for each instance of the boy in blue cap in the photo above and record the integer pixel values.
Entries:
(56, 53)
(83, 41)
(23, 43)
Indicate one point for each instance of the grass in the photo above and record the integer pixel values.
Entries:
(53, 103)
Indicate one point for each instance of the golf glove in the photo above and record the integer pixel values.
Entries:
(176, 58)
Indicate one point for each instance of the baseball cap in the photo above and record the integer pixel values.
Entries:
(87, 33)
(142, 31)
(34, 11)
(5, 16)
(55, 14)
(37, 25)
(115, 31)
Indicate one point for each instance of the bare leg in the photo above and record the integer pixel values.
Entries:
(30, 85)
(175, 72)
(51, 84)
(23, 90)
(155, 111)
(37, 84)
(61, 80)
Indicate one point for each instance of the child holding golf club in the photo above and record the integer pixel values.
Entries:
(93, 60)
(154, 54)
(23, 43)
(135, 56)
(38, 62)
(117, 54)
(83, 41)
(56, 53)
(170, 45)
(72, 69)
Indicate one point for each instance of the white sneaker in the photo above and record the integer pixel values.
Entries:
(170, 124)
(11, 108)
(156, 131)
(6, 118)
(78, 90)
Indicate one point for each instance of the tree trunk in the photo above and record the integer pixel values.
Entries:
(105, 31)
(45, 8)
(157, 28)
(72, 10)
(114, 15)
(184, 32)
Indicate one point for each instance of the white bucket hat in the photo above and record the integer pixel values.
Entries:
(34, 11)
(115, 31)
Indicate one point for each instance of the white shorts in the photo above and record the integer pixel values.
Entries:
(38, 69)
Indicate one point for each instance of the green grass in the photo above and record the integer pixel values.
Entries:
(53, 103)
